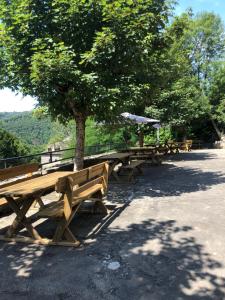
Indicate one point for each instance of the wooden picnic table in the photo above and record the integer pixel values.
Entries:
(150, 152)
(135, 150)
(114, 159)
(29, 191)
(173, 147)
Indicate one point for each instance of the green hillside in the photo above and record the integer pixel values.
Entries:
(37, 134)
(27, 128)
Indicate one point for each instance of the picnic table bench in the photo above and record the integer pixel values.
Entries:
(75, 188)
(173, 147)
(113, 159)
(185, 145)
(131, 168)
(146, 153)
(17, 174)
(162, 149)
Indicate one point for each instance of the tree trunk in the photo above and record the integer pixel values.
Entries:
(80, 142)
(216, 129)
(141, 138)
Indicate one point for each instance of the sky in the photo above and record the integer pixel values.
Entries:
(217, 6)
(9, 101)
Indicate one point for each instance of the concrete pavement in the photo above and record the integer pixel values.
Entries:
(166, 234)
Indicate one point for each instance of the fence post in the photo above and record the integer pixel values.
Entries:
(50, 156)
(5, 164)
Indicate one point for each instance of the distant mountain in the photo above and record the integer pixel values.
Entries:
(26, 127)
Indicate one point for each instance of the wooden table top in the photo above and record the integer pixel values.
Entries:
(34, 185)
(115, 156)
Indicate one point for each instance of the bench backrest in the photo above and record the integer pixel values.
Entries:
(21, 170)
(84, 176)
(72, 185)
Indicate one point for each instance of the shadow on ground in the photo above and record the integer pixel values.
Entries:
(158, 260)
(193, 156)
(167, 180)
(171, 180)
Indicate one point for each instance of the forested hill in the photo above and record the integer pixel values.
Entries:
(26, 127)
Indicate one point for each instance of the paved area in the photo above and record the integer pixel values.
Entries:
(164, 239)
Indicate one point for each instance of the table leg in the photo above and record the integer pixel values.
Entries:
(112, 172)
(21, 217)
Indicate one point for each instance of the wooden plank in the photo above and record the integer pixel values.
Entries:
(34, 185)
(16, 180)
(68, 198)
(96, 182)
(43, 241)
(82, 176)
(115, 156)
(96, 170)
(18, 170)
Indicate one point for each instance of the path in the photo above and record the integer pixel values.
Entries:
(167, 233)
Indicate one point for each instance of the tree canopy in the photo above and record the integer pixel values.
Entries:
(90, 58)
(196, 48)
(82, 58)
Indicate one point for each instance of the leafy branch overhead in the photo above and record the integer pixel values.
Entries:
(83, 58)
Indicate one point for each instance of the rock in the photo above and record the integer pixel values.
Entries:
(114, 265)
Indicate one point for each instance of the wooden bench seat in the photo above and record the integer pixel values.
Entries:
(56, 209)
(130, 169)
(155, 158)
(89, 184)
(14, 175)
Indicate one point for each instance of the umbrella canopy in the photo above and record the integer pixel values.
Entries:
(138, 119)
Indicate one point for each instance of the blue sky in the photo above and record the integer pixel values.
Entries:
(217, 6)
(11, 102)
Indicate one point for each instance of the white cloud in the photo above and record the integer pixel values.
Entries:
(10, 101)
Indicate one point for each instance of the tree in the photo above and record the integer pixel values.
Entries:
(180, 99)
(10, 146)
(82, 58)
(205, 41)
(216, 95)
(197, 43)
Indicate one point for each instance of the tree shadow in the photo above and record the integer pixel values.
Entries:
(158, 260)
(163, 261)
(193, 156)
(172, 180)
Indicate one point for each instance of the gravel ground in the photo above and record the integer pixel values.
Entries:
(163, 239)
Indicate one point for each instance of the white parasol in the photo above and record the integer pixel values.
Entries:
(143, 120)
(138, 119)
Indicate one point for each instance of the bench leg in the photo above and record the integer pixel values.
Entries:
(70, 237)
(64, 233)
(63, 230)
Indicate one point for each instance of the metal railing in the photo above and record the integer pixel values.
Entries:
(65, 155)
